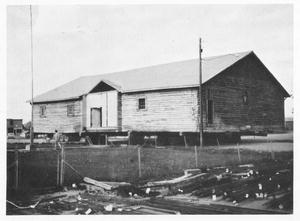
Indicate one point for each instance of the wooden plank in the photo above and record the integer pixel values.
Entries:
(185, 178)
(97, 183)
(139, 161)
(58, 169)
(196, 156)
(62, 167)
(185, 143)
(239, 154)
(16, 170)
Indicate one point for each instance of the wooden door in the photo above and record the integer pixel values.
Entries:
(96, 117)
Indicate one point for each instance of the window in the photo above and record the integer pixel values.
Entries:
(43, 111)
(210, 113)
(70, 110)
(245, 98)
(142, 103)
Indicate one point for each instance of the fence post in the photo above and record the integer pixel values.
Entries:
(196, 156)
(129, 137)
(239, 154)
(62, 171)
(17, 170)
(139, 161)
(185, 143)
(271, 150)
(58, 168)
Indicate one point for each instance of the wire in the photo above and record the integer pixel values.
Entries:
(76, 171)
(24, 207)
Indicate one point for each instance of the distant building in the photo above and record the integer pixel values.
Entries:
(289, 123)
(239, 96)
(14, 126)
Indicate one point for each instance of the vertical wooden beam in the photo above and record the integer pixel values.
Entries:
(62, 168)
(218, 142)
(129, 137)
(239, 154)
(17, 170)
(271, 150)
(83, 112)
(139, 162)
(106, 93)
(58, 168)
(196, 156)
(106, 139)
(185, 143)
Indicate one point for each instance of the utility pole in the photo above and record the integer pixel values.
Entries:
(31, 44)
(200, 97)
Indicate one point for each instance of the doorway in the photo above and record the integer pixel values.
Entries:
(96, 117)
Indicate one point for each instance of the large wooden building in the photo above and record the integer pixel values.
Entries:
(239, 96)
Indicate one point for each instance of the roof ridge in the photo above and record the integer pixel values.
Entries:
(235, 54)
(169, 63)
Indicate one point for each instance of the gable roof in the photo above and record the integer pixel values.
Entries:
(181, 74)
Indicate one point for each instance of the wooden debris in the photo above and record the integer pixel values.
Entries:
(192, 171)
(169, 182)
(246, 165)
(97, 183)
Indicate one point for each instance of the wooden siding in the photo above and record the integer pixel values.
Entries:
(172, 110)
(56, 118)
(176, 110)
(108, 101)
(265, 107)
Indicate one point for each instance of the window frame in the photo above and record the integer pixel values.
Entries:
(43, 111)
(138, 104)
(71, 113)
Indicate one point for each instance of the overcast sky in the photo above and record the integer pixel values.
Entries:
(72, 41)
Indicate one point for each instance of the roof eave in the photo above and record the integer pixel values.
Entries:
(56, 100)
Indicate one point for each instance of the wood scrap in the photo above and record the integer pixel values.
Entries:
(97, 183)
(192, 171)
(169, 182)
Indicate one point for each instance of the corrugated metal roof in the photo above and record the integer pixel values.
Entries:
(172, 75)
